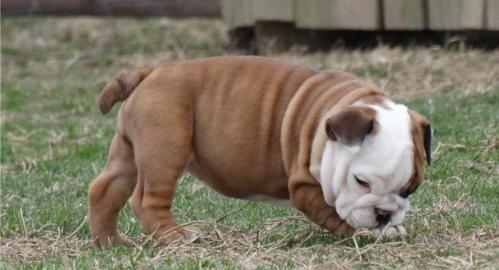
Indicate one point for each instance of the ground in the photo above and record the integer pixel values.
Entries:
(54, 141)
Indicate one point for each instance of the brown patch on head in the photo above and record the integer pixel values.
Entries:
(351, 125)
(375, 99)
(421, 137)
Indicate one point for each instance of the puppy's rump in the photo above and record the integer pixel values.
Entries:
(121, 88)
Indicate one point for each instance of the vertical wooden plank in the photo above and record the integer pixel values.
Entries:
(313, 13)
(472, 14)
(358, 14)
(238, 13)
(455, 14)
(444, 14)
(492, 14)
(241, 13)
(403, 14)
(337, 14)
(273, 10)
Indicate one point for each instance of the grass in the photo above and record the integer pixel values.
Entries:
(54, 142)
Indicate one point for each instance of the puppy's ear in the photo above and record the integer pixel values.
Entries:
(351, 125)
(427, 141)
(422, 132)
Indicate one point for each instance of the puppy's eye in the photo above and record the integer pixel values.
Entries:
(361, 182)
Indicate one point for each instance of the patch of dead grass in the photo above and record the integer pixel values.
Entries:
(413, 72)
(406, 72)
(250, 249)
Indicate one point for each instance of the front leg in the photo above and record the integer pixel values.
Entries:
(306, 195)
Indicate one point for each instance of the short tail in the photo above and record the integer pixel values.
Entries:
(121, 88)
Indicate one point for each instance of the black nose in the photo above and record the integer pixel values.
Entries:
(382, 216)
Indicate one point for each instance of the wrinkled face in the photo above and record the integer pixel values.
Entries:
(372, 162)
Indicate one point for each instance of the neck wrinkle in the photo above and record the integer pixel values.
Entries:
(320, 138)
(316, 98)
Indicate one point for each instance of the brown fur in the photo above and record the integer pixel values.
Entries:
(419, 137)
(375, 99)
(244, 125)
(121, 88)
(351, 125)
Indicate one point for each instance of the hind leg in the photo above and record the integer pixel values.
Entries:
(110, 191)
(161, 157)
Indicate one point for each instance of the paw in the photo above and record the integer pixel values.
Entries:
(111, 241)
(389, 232)
(187, 234)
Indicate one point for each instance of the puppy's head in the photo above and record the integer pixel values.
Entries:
(373, 161)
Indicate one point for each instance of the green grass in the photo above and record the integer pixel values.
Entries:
(54, 141)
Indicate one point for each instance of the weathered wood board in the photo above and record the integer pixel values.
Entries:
(492, 15)
(240, 13)
(274, 10)
(472, 14)
(403, 15)
(337, 14)
(455, 14)
(441, 15)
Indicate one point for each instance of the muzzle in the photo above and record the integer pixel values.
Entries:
(389, 203)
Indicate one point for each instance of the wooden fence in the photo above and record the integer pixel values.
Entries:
(170, 8)
(416, 15)
(303, 14)
(284, 23)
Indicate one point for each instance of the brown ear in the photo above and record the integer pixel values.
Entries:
(351, 125)
(422, 130)
(427, 141)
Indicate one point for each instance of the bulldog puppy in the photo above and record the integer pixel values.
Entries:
(254, 128)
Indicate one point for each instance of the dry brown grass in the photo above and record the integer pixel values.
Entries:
(403, 73)
(249, 250)
(419, 71)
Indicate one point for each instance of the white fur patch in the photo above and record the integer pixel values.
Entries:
(385, 160)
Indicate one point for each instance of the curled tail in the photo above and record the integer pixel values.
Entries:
(121, 88)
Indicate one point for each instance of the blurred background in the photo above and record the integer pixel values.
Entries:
(371, 38)
(262, 25)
